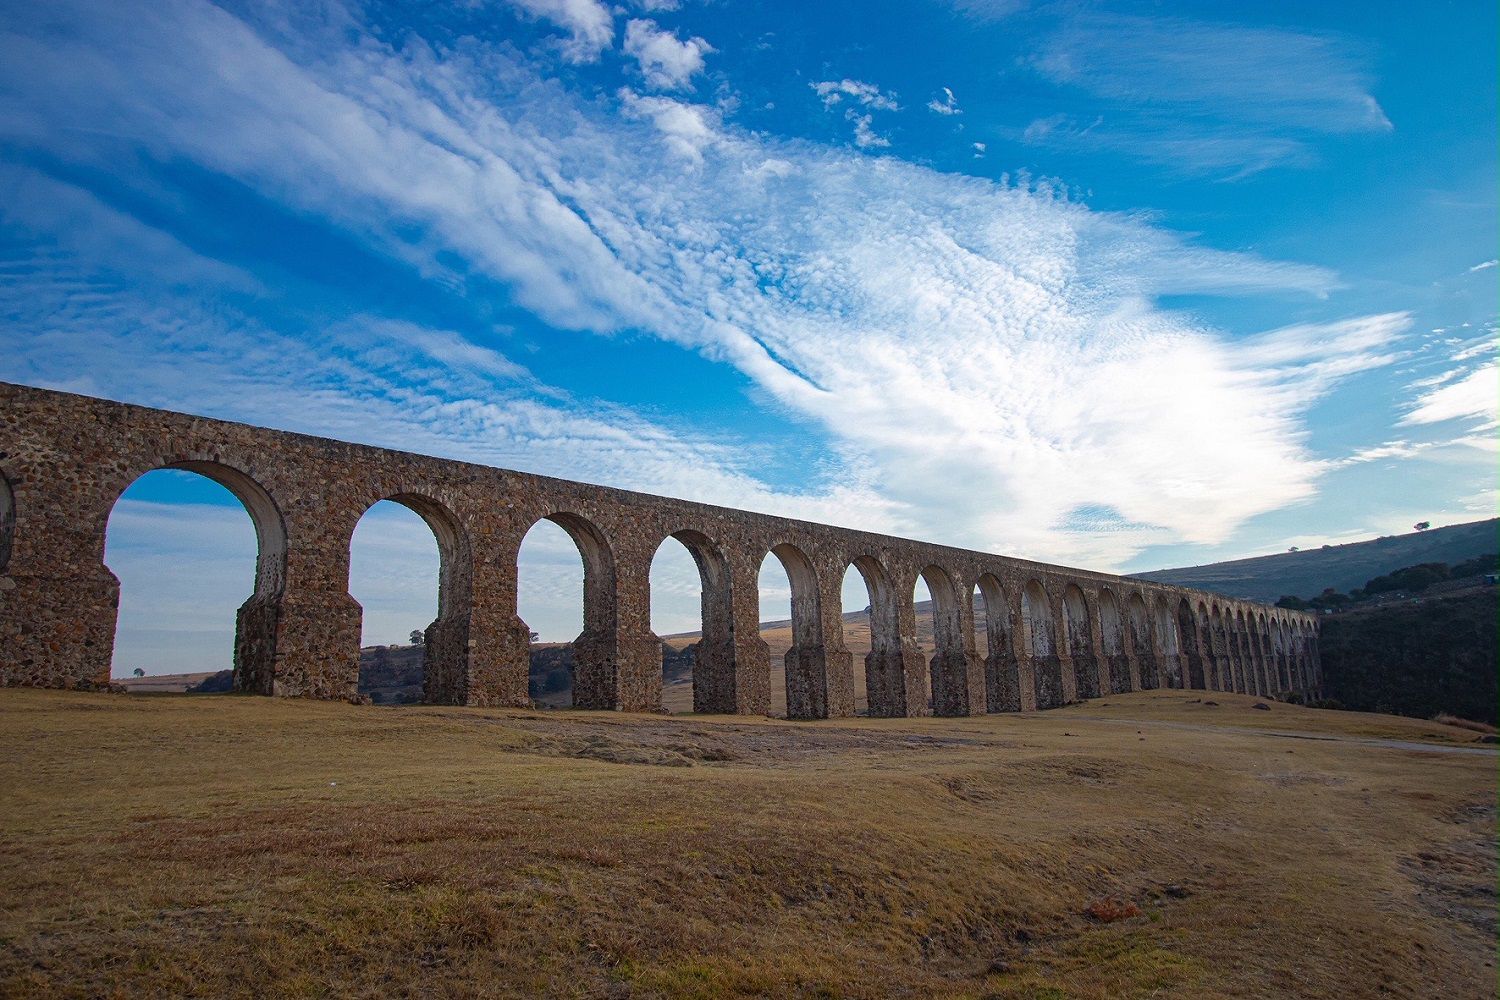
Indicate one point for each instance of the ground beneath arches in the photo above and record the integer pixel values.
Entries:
(1139, 845)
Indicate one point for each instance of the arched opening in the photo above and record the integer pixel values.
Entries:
(1242, 654)
(1080, 642)
(1278, 656)
(805, 679)
(1267, 659)
(1002, 672)
(7, 520)
(1216, 673)
(1169, 672)
(1139, 623)
(171, 535)
(565, 597)
(690, 596)
(1206, 641)
(1294, 655)
(948, 668)
(875, 635)
(1041, 645)
(1192, 645)
(1112, 642)
(404, 557)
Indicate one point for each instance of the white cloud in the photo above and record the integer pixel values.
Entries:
(984, 360)
(865, 136)
(979, 149)
(589, 24)
(1207, 97)
(864, 94)
(1484, 266)
(687, 129)
(1474, 397)
(666, 62)
(947, 106)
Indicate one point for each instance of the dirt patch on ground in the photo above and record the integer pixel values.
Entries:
(1456, 879)
(683, 744)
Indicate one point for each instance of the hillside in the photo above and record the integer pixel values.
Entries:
(1154, 844)
(1417, 657)
(1343, 567)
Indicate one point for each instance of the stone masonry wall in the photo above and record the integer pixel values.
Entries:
(65, 460)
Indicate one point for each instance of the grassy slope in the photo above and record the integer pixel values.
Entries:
(1421, 656)
(240, 846)
(1265, 578)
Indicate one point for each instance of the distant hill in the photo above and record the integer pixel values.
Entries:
(1343, 567)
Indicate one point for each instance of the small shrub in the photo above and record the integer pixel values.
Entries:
(1108, 909)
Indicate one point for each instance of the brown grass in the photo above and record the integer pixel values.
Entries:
(1443, 718)
(247, 847)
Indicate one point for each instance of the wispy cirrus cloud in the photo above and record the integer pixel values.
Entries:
(984, 360)
(1206, 97)
(1472, 397)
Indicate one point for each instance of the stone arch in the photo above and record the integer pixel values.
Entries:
(445, 642)
(1138, 620)
(1038, 631)
(256, 621)
(1192, 645)
(1170, 670)
(1267, 659)
(7, 519)
(1111, 631)
(948, 666)
(806, 677)
(713, 660)
(1080, 638)
(594, 664)
(1002, 672)
(1112, 641)
(1245, 674)
(886, 684)
(1278, 654)
(1208, 639)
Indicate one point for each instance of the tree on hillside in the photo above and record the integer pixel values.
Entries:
(138, 672)
(1422, 525)
(416, 637)
(1291, 602)
(1418, 577)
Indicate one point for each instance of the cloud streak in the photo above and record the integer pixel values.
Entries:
(984, 360)
(1206, 97)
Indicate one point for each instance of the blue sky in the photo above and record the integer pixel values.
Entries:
(1124, 285)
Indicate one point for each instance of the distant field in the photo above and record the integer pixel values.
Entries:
(238, 846)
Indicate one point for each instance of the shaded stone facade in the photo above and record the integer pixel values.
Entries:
(1053, 634)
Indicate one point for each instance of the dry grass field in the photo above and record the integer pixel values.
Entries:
(167, 845)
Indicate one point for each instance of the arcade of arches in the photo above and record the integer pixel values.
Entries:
(1008, 635)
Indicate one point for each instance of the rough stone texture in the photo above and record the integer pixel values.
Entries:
(1054, 634)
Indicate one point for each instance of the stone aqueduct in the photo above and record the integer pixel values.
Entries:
(1054, 634)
